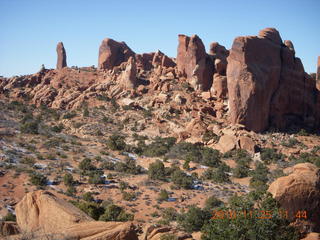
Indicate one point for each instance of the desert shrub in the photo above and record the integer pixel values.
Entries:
(116, 142)
(270, 155)
(306, 157)
(169, 214)
(186, 165)
(168, 236)
(69, 115)
(217, 175)
(95, 178)
(193, 219)
(128, 196)
(123, 185)
(9, 217)
(86, 165)
(157, 171)
(107, 165)
(163, 195)
(212, 202)
(71, 191)
(90, 208)
(259, 177)
(88, 197)
(208, 135)
(28, 160)
(129, 166)
(68, 179)
(57, 128)
(85, 112)
(181, 179)
(159, 147)
(115, 213)
(290, 143)
(276, 227)
(38, 179)
(30, 127)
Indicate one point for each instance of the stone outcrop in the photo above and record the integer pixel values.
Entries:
(318, 70)
(113, 53)
(62, 57)
(267, 84)
(144, 61)
(300, 191)
(160, 59)
(128, 78)
(194, 63)
(41, 212)
(219, 55)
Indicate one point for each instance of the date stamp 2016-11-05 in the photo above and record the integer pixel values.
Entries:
(256, 214)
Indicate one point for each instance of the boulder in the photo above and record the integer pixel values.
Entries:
(113, 53)
(300, 191)
(267, 85)
(218, 51)
(312, 236)
(41, 210)
(226, 143)
(247, 143)
(62, 57)
(219, 86)
(194, 63)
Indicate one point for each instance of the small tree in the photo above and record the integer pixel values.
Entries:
(68, 179)
(38, 179)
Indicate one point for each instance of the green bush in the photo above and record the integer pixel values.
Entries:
(107, 165)
(69, 115)
(129, 166)
(128, 196)
(57, 128)
(169, 214)
(163, 195)
(86, 165)
(30, 127)
(181, 179)
(159, 147)
(38, 179)
(157, 171)
(212, 202)
(193, 219)
(307, 157)
(95, 178)
(218, 175)
(115, 213)
(116, 142)
(259, 177)
(88, 197)
(270, 155)
(68, 179)
(9, 217)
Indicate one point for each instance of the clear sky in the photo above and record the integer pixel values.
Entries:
(30, 29)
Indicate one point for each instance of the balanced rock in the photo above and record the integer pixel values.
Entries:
(62, 57)
(300, 191)
(194, 63)
(267, 84)
(113, 53)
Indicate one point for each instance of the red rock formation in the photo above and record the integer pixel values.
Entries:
(128, 78)
(62, 57)
(318, 70)
(144, 61)
(113, 53)
(160, 59)
(194, 63)
(267, 84)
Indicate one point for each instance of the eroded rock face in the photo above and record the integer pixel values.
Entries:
(194, 63)
(113, 53)
(267, 84)
(62, 57)
(160, 59)
(144, 61)
(300, 191)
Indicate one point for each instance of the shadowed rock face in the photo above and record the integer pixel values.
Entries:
(194, 63)
(62, 57)
(267, 84)
(318, 69)
(113, 53)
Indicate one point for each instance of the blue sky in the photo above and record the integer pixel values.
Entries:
(30, 29)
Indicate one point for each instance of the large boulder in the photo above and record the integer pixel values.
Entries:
(267, 84)
(219, 86)
(113, 53)
(43, 214)
(62, 57)
(194, 63)
(41, 210)
(300, 191)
